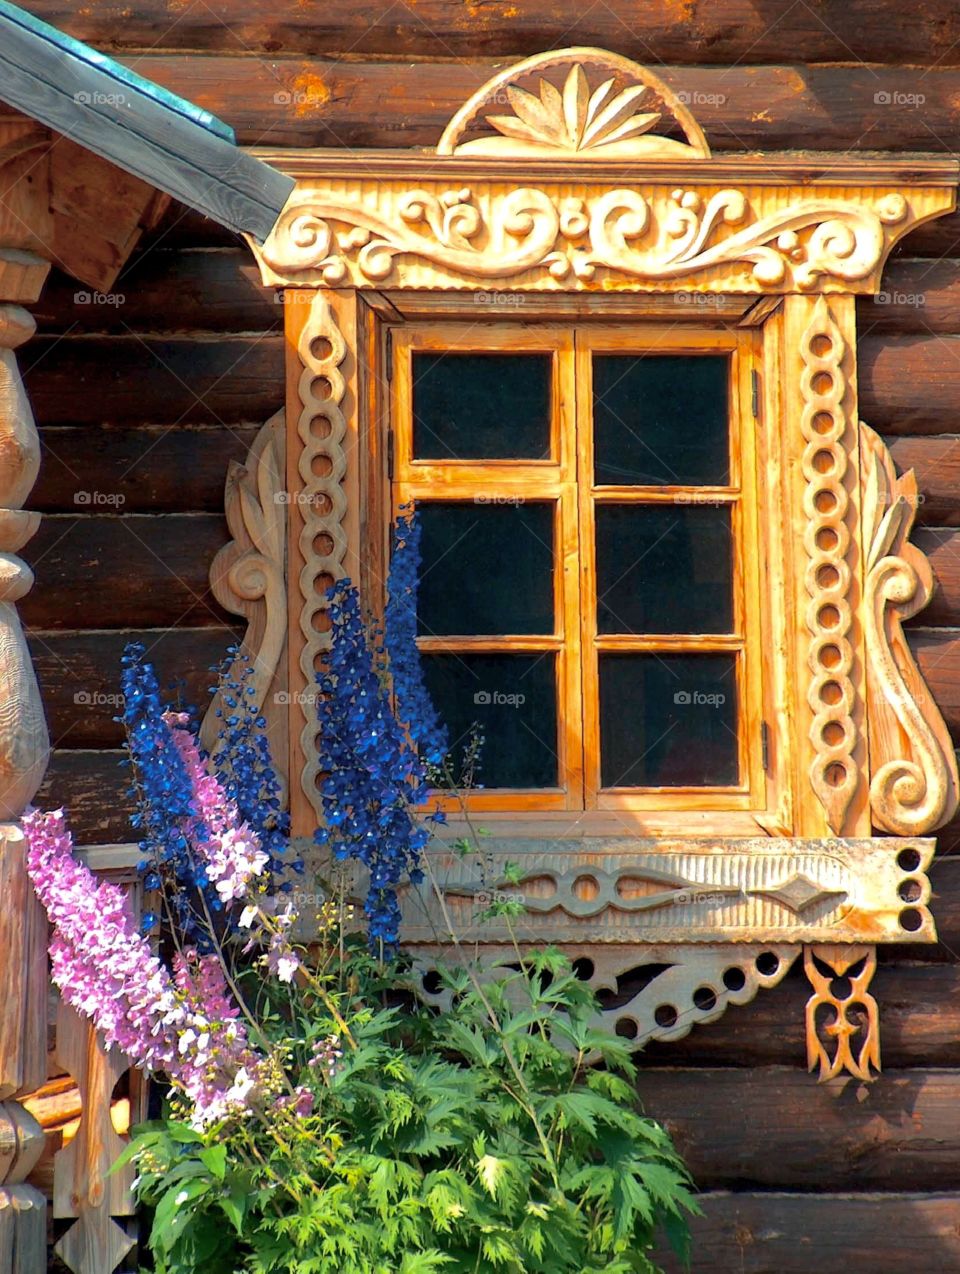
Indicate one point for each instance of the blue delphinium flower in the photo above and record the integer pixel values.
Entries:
(371, 773)
(244, 764)
(163, 793)
(413, 703)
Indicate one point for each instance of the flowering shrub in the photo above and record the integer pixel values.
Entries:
(320, 1119)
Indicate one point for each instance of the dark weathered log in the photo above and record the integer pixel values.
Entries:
(777, 1128)
(186, 379)
(936, 461)
(124, 572)
(79, 675)
(142, 469)
(298, 101)
(939, 238)
(942, 547)
(731, 31)
(909, 384)
(93, 788)
(916, 296)
(212, 289)
(181, 227)
(776, 1233)
(919, 1024)
(937, 651)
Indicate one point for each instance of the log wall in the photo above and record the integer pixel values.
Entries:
(144, 400)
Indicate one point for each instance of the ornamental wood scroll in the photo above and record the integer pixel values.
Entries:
(579, 172)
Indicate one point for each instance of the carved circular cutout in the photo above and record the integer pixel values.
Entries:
(910, 890)
(841, 987)
(828, 576)
(831, 692)
(911, 920)
(827, 538)
(583, 968)
(734, 979)
(830, 656)
(626, 1028)
(908, 859)
(822, 383)
(822, 422)
(828, 617)
(665, 1015)
(705, 998)
(826, 502)
(432, 982)
(768, 962)
(824, 461)
(835, 774)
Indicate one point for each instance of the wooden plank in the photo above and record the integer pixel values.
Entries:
(138, 468)
(117, 572)
(324, 101)
(936, 462)
(658, 31)
(79, 676)
(777, 1128)
(909, 384)
(144, 135)
(214, 290)
(916, 295)
(781, 1233)
(942, 547)
(93, 787)
(160, 380)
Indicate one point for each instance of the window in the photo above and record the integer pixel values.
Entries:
(590, 596)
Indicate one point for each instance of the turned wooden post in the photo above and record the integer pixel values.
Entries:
(24, 748)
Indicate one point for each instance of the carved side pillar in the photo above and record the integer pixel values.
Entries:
(24, 748)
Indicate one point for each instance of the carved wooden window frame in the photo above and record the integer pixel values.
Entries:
(584, 205)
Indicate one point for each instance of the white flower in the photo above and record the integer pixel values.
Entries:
(247, 917)
(287, 965)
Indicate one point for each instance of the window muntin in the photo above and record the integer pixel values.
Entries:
(694, 613)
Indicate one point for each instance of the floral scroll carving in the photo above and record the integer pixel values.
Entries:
(831, 693)
(532, 237)
(915, 785)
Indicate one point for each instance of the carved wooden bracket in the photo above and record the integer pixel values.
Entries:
(248, 577)
(841, 1040)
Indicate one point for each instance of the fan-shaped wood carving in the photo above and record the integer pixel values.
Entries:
(586, 103)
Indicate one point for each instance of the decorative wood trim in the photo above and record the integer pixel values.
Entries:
(764, 889)
(322, 485)
(855, 1040)
(690, 986)
(83, 1186)
(24, 743)
(831, 693)
(915, 785)
(575, 192)
(248, 578)
(583, 120)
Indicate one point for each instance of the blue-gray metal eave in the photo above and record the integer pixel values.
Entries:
(137, 125)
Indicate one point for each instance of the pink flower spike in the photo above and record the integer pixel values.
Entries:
(228, 847)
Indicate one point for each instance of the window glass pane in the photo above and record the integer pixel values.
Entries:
(665, 568)
(660, 420)
(512, 699)
(481, 406)
(668, 720)
(486, 569)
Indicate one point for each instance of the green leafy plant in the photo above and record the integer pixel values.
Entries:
(475, 1138)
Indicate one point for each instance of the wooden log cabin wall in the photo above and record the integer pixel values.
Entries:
(144, 396)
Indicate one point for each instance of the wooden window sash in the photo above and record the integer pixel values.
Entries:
(563, 480)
